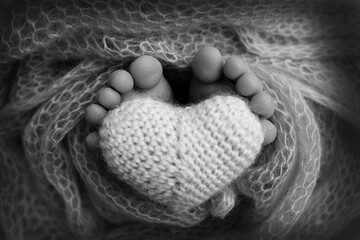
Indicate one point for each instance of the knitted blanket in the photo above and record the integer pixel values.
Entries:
(54, 55)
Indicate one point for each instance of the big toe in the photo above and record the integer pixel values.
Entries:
(207, 64)
(146, 72)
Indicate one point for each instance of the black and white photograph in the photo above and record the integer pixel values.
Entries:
(179, 119)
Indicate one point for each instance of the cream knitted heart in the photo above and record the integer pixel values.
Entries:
(179, 156)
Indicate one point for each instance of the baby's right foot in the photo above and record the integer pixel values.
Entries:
(145, 73)
(212, 75)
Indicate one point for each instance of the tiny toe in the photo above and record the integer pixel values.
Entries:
(146, 71)
(234, 67)
(207, 64)
(263, 104)
(93, 140)
(270, 131)
(108, 98)
(95, 113)
(121, 81)
(248, 84)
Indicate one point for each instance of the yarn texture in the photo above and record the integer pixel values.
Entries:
(181, 157)
(56, 54)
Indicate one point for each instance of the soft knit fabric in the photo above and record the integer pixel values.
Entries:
(181, 157)
(55, 55)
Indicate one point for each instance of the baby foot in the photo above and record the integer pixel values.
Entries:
(145, 75)
(212, 76)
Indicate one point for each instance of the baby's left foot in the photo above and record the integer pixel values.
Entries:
(212, 76)
(145, 73)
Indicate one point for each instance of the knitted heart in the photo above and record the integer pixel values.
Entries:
(179, 156)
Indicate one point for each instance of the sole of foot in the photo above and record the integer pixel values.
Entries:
(211, 75)
(145, 75)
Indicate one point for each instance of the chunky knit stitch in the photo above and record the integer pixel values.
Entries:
(177, 156)
(55, 55)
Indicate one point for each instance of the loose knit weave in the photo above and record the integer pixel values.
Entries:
(56, 54)
(181, 157)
